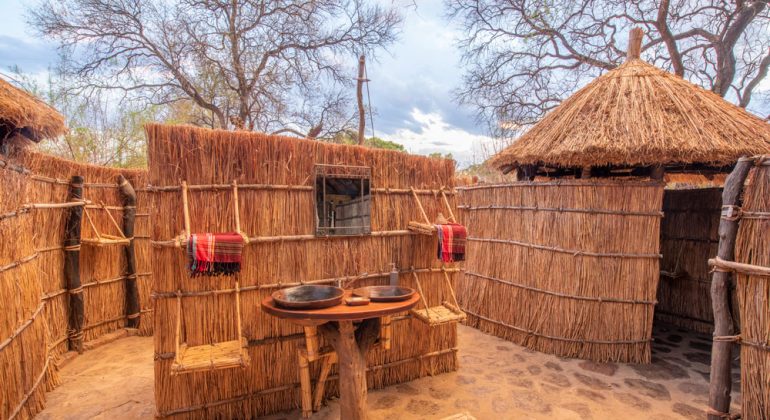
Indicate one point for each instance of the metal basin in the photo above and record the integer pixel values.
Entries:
(308, 297)
(384, 293)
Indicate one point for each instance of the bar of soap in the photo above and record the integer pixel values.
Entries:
(357, 301)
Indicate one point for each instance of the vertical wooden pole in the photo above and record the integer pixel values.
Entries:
(721, 380)
(133, 307)
(635, 38)
(72, 265)
(360, 97)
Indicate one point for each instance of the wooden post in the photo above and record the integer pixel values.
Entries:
(721, 380)
(72, 265)
(128, 196)
(635, 44)
(351, 347)
(305, 384)
(360, 97)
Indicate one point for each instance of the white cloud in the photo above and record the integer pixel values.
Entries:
(433, 134)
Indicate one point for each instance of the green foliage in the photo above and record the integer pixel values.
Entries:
(439, 155)
(351, 137)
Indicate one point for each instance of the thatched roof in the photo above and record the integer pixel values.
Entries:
(638, 115)
(25, 114)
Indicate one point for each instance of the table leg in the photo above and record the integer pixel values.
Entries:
(351, 345)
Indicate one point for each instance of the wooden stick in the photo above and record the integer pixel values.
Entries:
(236, 208)
(72, 231)
(185, 209)
(451, 289)
(386, 331)
(449, 208)
(311, 342)
(721, 379)
(419, 205)
(178, 333)
(114, 222)
(742, 268)
(238, 312)
(422, 295)
(55, 205)
(360, 99)
(93, 226)
(329, 359)
(305, 385)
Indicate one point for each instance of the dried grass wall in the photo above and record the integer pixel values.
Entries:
(270, 383)
(689, 237)
(753, 247)
(564, 267)
(33, 322)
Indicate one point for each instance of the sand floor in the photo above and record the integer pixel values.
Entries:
(496, 380)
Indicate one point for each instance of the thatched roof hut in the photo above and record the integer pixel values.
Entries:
(24, 114)
(580, 267)
(639, 115)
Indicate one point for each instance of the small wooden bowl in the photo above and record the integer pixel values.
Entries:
(357, 301)
(308, 297)
(384, 293)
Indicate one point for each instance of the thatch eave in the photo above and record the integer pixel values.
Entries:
(22, 114)
(639, 115)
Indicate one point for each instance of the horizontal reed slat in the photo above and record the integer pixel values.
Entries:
(563, 295)
(169, 295)
(573, 252)
(551, 337)
(561, 210)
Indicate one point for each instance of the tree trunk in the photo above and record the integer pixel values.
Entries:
(721, 380)
(128, 196)
(72, 265)
(351, 346)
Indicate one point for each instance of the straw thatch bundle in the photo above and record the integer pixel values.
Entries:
(689, 237)
(637, 115)
(569, 268)
(752, 245)
(34, 320)
(22, 113)
(278, 216)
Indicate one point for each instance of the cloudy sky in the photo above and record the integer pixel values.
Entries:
(411, 84)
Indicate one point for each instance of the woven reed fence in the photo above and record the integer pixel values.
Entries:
(34, 319)
(753, 290)
(689, 237)
(276, 198)
(564, 267)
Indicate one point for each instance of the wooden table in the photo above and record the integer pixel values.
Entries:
(350, 343)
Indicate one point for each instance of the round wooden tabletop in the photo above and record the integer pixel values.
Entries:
(341, 312)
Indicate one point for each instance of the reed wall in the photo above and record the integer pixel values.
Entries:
(752, 245)
(564, 267)
(34, 319)
(283, 207)
(689, 237)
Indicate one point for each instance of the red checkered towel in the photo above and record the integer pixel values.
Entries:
(451, 242)
(214, 254)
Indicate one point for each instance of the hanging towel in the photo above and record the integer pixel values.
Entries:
(451, 242)
(214, 254)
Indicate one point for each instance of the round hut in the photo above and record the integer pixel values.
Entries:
(22, 114)
(578, 256)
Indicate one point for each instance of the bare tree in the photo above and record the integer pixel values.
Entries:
(242, 62)
(523, 57)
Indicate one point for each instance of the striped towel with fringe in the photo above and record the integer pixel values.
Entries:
(214, 254)
(451, 242)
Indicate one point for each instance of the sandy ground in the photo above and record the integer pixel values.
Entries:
(496, 380)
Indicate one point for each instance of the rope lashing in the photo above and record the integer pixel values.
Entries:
(731, 213)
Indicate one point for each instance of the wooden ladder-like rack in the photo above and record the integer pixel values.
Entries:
(215, 356)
